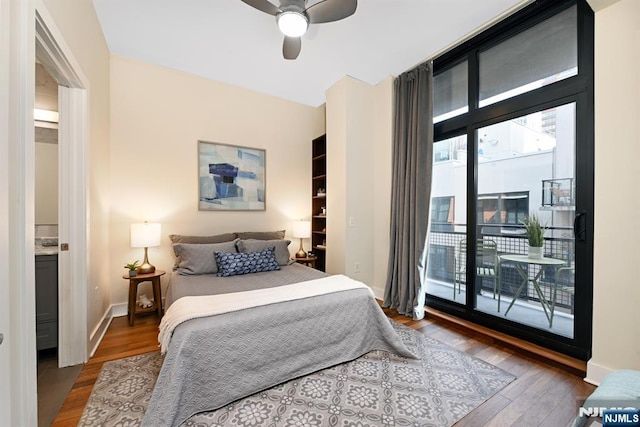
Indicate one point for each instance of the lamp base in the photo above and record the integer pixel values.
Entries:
(146, 266)
(301, 253)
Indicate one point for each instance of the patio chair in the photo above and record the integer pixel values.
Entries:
(486, 264)
(564, 283)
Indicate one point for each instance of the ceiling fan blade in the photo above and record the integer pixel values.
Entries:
(331, 10)
(264, 6)
(291, 47)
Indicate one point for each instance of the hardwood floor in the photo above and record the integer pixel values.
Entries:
(121, 340)
(544, 394)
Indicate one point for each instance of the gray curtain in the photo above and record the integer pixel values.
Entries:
(411, 191)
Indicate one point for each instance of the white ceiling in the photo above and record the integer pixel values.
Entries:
(230, 42)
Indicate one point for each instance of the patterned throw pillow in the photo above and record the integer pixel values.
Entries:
(232, 264)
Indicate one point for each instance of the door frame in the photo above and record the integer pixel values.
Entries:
(18, 392)
(18, 389)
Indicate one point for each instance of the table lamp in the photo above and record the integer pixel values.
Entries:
(302, 230)
(145, 235)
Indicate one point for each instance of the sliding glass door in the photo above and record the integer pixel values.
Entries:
(513, 114)
(526, 171)
(446, 264)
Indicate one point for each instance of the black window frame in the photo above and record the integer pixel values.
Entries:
(578, 89)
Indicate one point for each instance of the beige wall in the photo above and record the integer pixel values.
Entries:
(616, 318)
(46, 191)
(382, 169)
(349, 179)
(337, 123)
(80, 28)
(359, 123)
(157, 117)
(359, 181)
(46, 90)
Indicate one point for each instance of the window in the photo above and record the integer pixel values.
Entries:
(513, 136)
(505, 208)
(450, 93)
(442, 209)
(536, 57)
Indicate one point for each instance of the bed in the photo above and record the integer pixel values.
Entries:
(300, 321)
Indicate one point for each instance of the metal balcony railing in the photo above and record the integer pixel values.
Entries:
(443, 244)
(558, 192)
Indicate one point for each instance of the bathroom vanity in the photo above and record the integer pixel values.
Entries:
(46, 299)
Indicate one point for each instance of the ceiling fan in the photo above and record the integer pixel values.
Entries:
(293, 18)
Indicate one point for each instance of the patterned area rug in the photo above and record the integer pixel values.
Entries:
(377, 389)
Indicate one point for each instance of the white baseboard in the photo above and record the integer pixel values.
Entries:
(596, 372)
(119, 310)
(99, 331)
(115, 310)
(122, 309)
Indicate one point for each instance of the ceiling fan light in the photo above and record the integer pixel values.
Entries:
(292, 24)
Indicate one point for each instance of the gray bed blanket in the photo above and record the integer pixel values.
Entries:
(210, 284)
(216, 360)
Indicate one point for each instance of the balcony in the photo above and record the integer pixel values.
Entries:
(444, 251)
(558, 194)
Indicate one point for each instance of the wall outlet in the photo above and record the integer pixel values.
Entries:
(356, 267)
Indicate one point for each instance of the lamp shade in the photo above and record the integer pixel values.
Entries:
(145, 235)
(302, 229)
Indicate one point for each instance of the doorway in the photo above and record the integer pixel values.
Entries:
(72, 198)
(54, 382)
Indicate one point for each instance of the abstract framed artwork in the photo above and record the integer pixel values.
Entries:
(231, 177)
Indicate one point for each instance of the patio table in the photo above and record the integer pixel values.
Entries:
(522, 263)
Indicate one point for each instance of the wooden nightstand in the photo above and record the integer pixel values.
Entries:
(309, 261)
(133, 307)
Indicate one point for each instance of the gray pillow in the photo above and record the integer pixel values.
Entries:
(260, 235)
(253, 245)
(219, 238)
(199, 258)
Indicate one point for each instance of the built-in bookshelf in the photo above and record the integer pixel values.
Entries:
(319, 201)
